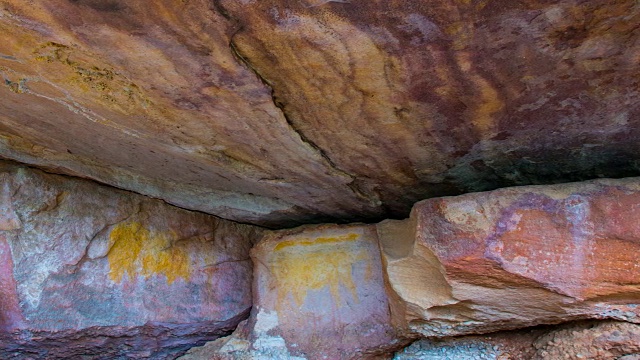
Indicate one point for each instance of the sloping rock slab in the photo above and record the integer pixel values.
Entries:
(283, 112)
(151, 341)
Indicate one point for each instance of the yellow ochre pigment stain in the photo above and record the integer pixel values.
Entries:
(311, 264)
(137, 251)
(316, 241)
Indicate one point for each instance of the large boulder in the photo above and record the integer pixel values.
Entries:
(318, 294)
(93, 271)
(516, 257)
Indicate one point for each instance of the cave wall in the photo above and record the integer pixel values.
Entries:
(93, 271)
(278, 113)
(478, 263)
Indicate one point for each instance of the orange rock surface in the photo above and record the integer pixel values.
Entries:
(516, 257)
(282, 112)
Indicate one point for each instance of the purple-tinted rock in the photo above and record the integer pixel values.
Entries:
(104, 270)
(319, 293)
(282, 112)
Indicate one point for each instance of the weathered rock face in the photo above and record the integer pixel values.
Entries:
(87, 270)
(326, 280)
(606, 340)
(517, 257)
(477, 263)
(92, 271)
(279, 112)
(283, 112)
(318, 293)
(509, 345)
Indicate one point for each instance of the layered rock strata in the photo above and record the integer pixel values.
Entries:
(477, 263)
(283, 112)
(517, 257)
(92, 271)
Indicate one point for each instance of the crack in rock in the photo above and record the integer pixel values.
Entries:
(360, 192)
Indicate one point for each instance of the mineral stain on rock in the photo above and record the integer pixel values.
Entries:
(287, 112)
(308, 264)
(136, 250)
(318, 292)
(91, 272)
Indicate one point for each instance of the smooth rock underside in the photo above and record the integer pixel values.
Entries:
(156, 157)
(284, 112)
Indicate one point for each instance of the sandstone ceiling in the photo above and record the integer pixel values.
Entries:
(280, 112)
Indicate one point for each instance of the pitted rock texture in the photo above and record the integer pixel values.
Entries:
(591, 340)
(606, 340)
(511, 345)
(94, 270)
(516, 257)
(151, 341)
(281, 112)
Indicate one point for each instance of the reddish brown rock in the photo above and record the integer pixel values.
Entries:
(281, 112)
(148, 96)
(472, 264)
(10, 315)
(87, 270)
(318, 294)
(516, 257)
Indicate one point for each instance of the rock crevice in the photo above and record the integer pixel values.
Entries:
(361, 193)
(86, 268)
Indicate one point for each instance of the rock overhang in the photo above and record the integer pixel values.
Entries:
(280, 113)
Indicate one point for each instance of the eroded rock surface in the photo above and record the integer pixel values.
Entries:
(281, 112)
(511, 345)
(472, 264)
(517, 257)
(92, 271)
(318, 293)
(606, 340)
(603, 340)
